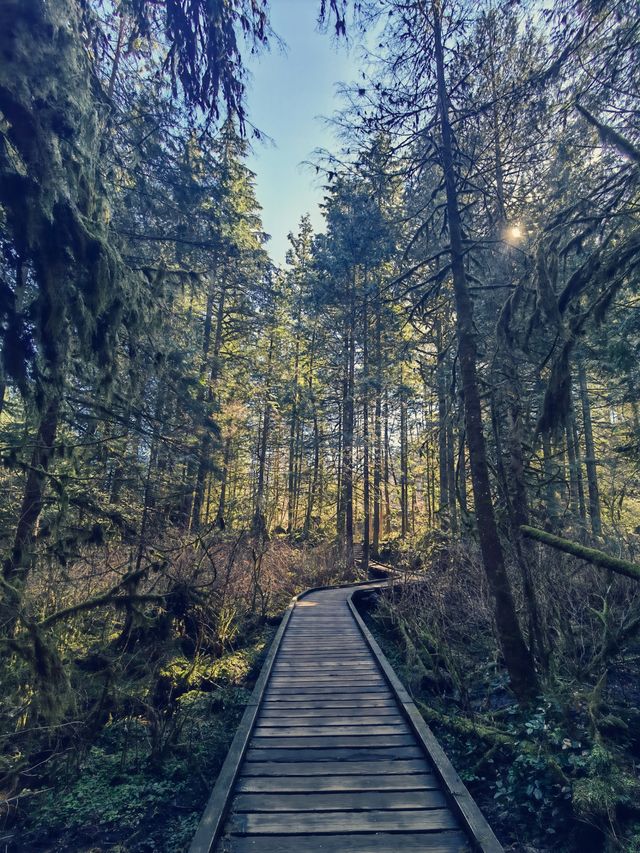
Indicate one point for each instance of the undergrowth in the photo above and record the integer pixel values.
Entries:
(560, 775)
(118, 799)
(114, 723)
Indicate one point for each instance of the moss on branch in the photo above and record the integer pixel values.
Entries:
(591, 555)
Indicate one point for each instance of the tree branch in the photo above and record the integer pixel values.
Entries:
(591, 555)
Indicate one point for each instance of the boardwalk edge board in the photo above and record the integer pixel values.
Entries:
(465, 806)
(216, 811)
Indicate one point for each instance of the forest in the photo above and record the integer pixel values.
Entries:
(445, 378)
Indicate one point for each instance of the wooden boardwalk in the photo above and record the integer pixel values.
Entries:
(335, 756)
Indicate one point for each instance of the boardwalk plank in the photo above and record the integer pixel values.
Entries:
(284, 769)
(441, 842)
(331, 801)
(327, 691)
(338, 782)
(337, 679)
(360, 716)
(334, 702)
(290, 823)
(379, 752)
(376, 730)
(318, 741)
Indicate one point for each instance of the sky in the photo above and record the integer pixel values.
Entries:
(289, 94)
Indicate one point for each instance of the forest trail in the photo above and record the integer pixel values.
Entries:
(335, 756)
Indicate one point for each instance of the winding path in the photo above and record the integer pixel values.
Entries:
(332, 754)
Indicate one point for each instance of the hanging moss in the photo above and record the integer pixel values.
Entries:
(557, 398)
(51, 697)
(52, 138)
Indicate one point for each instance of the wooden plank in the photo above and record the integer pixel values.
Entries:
(330, 709)
(333, 753)
(310, 647)
(328, 691)
(284, 769)
(377, 730)
(293, 683)
(309, 670)
(325, 661)
(345, 672)
(340, 680)
(339, 718)
(328, 639)
(328, 702)
(329, 678)
(317, 741)
(338, 782)
(325, 629)
(306, 622)
(303, 631)
(341, 801)
(313, 645)
(343, 653)
(327, 616)
(437, 842)
(290, 823)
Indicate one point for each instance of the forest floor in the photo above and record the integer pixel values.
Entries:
(545, 783)
(118, 799)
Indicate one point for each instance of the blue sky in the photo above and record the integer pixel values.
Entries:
(289, 93)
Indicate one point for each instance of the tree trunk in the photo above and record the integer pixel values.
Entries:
(451, 473)
(339, 510)
(17, 566)
(313, 487)
(590, 453)
(387, 500)
(348, 429)
(404, 474)
(204, 460)
(519, 515)
(551, 507)
(259, 517)
(220, 515)
(366, 525)
(293, 427)
(461, 476)
(573, 442)
(517, 657)
(192, 467)
(443, 508)
(377, 417)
